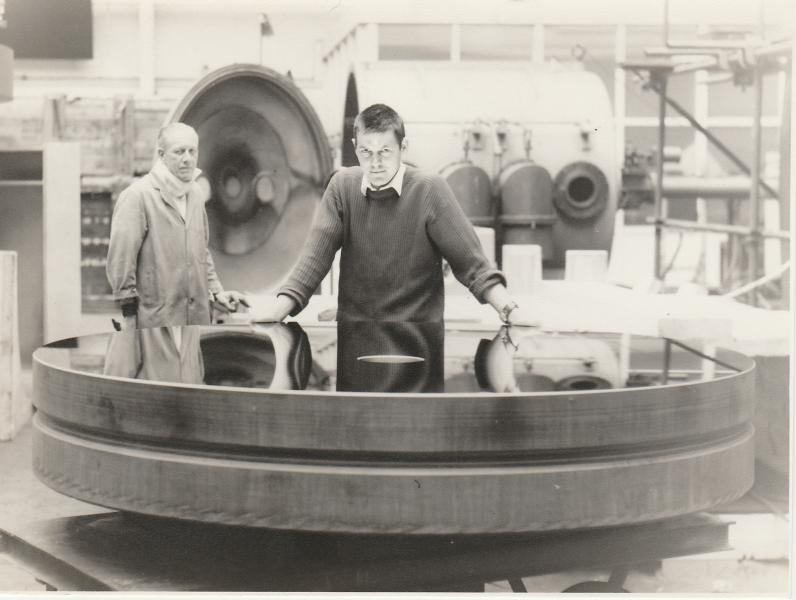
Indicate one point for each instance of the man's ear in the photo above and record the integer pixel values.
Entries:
(161, 152)
(404, 145)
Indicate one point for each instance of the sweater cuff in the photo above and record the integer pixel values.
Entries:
(485, 281)
(299, 300)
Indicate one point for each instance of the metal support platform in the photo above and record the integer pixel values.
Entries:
(118, 551)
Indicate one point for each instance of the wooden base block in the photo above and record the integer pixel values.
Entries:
(15, 407)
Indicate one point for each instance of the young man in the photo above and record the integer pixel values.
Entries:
(394, 224)
(159, 264)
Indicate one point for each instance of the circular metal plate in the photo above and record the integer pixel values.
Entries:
(430, 448)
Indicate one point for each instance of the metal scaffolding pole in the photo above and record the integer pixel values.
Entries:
(754, 192)
(662, 81)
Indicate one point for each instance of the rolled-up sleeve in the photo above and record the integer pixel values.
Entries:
(325, 239)
(458, 243)
(128, 230)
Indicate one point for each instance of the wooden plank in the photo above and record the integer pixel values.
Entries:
(61, 226)
(15, 407)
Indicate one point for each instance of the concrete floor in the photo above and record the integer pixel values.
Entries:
(758, 563)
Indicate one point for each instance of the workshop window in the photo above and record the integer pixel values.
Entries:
(414, 42)
(496, 42)
(726, 99)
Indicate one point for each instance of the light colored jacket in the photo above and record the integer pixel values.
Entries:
(161, 258)
(154, 355)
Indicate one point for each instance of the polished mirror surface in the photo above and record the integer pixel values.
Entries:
(393, 357)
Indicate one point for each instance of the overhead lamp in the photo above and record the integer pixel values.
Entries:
(265, 25)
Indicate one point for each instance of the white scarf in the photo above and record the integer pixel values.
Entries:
(173, 187)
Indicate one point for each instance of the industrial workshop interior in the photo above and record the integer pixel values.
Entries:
(464, 296)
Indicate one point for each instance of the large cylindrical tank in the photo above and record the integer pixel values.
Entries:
(265, 162)
(494, 116)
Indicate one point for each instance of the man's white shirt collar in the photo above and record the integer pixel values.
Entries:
(397, 182)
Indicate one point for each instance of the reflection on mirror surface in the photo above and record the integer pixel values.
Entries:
(393, 357)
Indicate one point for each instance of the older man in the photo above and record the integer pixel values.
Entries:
(394, 224)
(159, 264)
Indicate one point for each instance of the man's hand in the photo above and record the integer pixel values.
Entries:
(230, 300)
(522, 317)
(276, 311)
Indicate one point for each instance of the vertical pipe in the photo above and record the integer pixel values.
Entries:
(146, 48)
(537, 51)
(620, 104)
(667, 360)
(456, 43)
(754, 192)
(785, 195)
(659, 171)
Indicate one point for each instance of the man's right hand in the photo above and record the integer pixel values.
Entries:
(276, 312)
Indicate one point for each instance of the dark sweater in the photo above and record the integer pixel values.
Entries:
(392, 250)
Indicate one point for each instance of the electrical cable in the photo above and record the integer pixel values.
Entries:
(674, 256)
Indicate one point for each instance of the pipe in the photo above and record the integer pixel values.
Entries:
(697, 65)
(720, 78)
(685, 186)
(659, 171)
(721, 228)
(712, 138)
(754, 195)
(775, 49)
(762, 281)
(709, 44)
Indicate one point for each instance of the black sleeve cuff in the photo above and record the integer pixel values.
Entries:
(129, 307)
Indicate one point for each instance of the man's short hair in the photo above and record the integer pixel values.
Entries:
(380, 117)
(166, 130)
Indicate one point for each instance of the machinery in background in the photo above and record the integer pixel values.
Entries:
(528, 150)
(265, 158)
(265, 163)
(745, 62)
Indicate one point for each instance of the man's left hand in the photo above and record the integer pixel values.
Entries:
(230, 300)
(522, 317)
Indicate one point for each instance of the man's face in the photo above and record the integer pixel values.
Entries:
(379, 155)
(181, 153)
